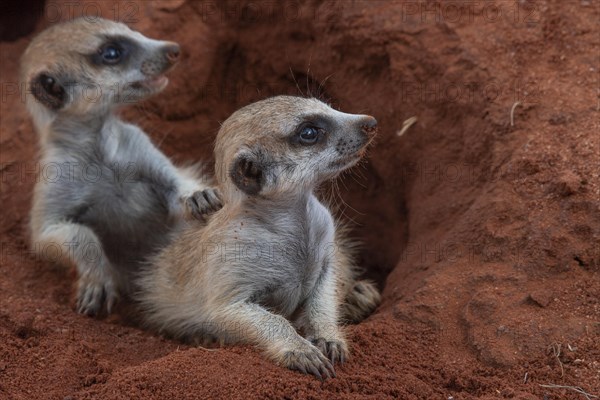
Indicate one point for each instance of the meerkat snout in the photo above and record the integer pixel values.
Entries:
(171, 52)
(161, 59)
(369, 126)
(353, 145)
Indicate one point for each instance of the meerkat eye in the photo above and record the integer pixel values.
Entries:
(111, 54)
(309, 135)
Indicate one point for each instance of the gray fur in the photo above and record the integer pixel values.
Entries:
(270, 262)
(112, 197)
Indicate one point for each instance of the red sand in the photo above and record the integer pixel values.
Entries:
(483, 235)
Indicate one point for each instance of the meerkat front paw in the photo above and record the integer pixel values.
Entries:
(94, 291)
(308, 360)
(203, 203)
(361, 300)
(334, 349)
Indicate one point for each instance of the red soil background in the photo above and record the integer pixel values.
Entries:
(483, 234)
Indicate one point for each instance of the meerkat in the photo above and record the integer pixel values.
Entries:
(106, 196)
(270, 263)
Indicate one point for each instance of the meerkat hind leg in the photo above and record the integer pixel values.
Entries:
(361, 300)
(80, 246)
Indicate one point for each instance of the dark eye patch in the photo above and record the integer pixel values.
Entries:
(312, 130)
(115, 50)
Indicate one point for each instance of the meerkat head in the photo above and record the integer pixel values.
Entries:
(288, 144)
(88, 65)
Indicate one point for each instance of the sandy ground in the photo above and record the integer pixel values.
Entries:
(483, 232)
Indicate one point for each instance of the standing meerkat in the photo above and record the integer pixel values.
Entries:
(112, 197)
(270, 262)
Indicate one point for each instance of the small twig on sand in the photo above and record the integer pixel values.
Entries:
(573, 388)
(512, 113)
(206, 348)
(405, 125)
(525, 379)
(556, 350)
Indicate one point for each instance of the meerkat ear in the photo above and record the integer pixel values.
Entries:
(48, 91)
(247, 172)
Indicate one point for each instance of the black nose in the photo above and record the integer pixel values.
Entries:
(369, 125)
(370, 122)
(171, 52)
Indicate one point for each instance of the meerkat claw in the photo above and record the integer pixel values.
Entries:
(93, 294)
(335, 350)
(310, 362)
(202, 203)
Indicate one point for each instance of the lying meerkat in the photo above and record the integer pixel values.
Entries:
(112, 197)
(270, 261)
